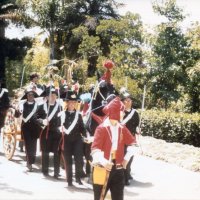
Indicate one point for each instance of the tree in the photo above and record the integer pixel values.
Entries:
(15, 51)
(6, 6)
(193, 71)
(173, 55)
(119, 40)
(87, 13)
(60, 17)
(47, 14)
(122, 40)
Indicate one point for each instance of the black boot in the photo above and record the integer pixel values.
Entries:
(78, 180)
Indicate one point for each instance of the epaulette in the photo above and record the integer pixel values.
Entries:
(5, 89)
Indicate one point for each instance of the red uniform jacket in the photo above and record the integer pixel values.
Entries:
(103, 141)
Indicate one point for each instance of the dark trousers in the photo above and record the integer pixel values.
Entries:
(50, 144)
(115, 185)
(45, 163)
(30, 147)
(73, 148)
(2, 118)
(127, 171)
(30, 134)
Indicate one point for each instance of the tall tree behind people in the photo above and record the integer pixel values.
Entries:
(6, 7)
(58, 18)
(173, 55)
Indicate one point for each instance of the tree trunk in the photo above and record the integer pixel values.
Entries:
(52, 46)
(2, 54)
(92, 63)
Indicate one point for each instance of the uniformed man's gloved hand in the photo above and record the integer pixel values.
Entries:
(88, 140)
(45, 122)
(138, 130)
(61, 129)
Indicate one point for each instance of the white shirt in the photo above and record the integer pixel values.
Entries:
(115, 135)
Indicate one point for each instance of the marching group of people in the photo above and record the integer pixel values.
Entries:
(61, 131)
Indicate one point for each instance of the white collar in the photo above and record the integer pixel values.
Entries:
(71, 111)
(30, 102)
(106, 122)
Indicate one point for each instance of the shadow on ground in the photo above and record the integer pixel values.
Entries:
(6, 187)
(137, 183)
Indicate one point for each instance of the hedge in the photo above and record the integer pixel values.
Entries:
(172, 127)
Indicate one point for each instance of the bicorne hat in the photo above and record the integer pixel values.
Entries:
(71, 96)
(27, 91)
(49, 90)
(124, 94)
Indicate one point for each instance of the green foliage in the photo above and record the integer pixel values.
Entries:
(173, 55)
(7, 7)
(123, 38)
(90, 45)
(59, 18)
(172, 127)
(80, 72)
(169, 9)
(14, 50)
(167, 60)
(37, 57)
(14, 71)
(192, 89)
(49, 15)
(120, 80)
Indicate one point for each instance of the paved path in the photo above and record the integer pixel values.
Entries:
(152, 180)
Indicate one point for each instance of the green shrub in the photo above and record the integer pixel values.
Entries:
(172, 127)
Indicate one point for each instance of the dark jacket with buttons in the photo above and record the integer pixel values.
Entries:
(133, 122)
(78, 129)
(55, 121)
(51, 135)
(32, 126)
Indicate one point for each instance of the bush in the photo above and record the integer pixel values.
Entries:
(172, 127)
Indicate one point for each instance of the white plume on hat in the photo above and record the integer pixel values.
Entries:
(123, 92)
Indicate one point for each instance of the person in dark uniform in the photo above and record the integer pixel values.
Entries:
(4, 103)
(30, 127)
(73, 129)
(110, 139)
(34, 78)
(50, 118)
(131, 120)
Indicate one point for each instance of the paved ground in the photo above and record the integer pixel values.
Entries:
(152, 180)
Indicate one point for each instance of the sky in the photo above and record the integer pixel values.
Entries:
(143, 7)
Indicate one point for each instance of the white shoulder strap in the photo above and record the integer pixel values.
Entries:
(45, 107)
(31, 113)
(67, 131)
(2, 92)
(53, 112)
(128, 117)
